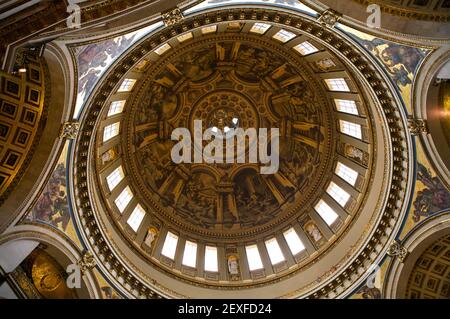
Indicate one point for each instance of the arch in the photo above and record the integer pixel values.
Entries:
(63, 250)
(427, 106)
(416, 242)
(59, 77)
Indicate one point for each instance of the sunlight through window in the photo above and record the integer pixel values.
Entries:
(326, 212)
(253, 258)
(275, 254)
(136, 218)
(293, 241)
(170, 245)
(190, 254)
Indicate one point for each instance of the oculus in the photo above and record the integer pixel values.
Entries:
(214, 151)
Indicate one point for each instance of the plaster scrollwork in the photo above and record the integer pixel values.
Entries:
(397, 250)
(69, 130)
(330, 17)
(172, 17)
(87, 262)
(417, 126)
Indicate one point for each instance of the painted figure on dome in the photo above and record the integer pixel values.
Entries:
(433, 198)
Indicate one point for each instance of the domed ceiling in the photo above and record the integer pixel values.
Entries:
(210, 229)
(218, 79)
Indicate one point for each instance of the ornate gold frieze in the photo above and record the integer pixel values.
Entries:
(172, 17)
(69, 130)
(397, 250)
(417, 126)
(87, 262)
(330, 17)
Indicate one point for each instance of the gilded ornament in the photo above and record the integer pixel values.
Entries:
(69, 130)
(397, 250)
(172, 17)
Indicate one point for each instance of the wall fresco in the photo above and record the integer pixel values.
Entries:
(52, 206)
(94, 59)
(430, 194)
(401, 62)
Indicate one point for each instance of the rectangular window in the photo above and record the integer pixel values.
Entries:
(115, 177)
(185, 37)
(110, 131)
(337, 85)
(136, 218)
(275, 254)
(305, 48)
(170, 246)
(190, 254)
(351, 129)
(123, 199)
(293, 241)
(346, 106)
(127, 85)
(116, 107)
(211, 259)
(284, 36)
(260, 28)
(162, 49)
(209, 29)
(253, 258)
(338, 194)
(326, 212)
(346, 173)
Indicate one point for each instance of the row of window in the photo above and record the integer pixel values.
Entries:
(274, 251)
(337, 193)
(253, 256)
(292, 239)
(323, 209)
(304, 48)
(346, 127)
(345, 106)
(337, 84)
(124, 198)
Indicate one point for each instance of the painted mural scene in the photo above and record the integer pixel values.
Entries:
(225, 149)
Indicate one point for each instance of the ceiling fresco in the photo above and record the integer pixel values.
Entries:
(354, 177)
(203, 84)
(232, 73)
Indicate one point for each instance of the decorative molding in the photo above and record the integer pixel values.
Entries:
(24, 104)
(416, 242)
(330, 17)
(87, 262)
(69, 130)
(417, 126)
(24, 284)
(172, 17)
(438, 13)
(389, 104)
(397, 250)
